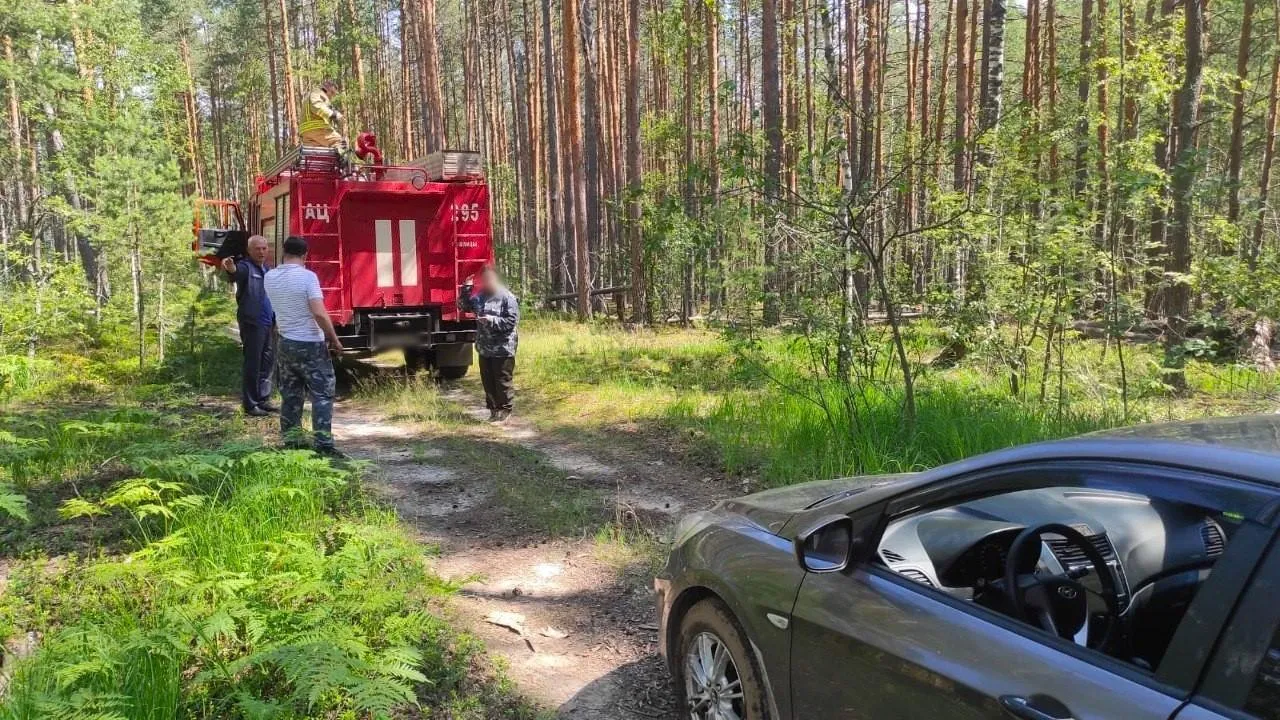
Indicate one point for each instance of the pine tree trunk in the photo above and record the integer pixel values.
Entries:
(555, 212)
(436, 130)
(525, 160)
(1051, 74)
(590, 140)
(940, 114)
(573, 125)
(19, 182)
(1082, 94)
(961, 135)
(192, 115)
(1103, 132)
(290, 92)
(1269, 148)
(992, 75)
(1163, 150)
(639, 299)
(1237, 114)
(1185, 170)
(406, 82)
(771, 115)
(357, 67)
(688, 170)
(713, 146)
(135, 274)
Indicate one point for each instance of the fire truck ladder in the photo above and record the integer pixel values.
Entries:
(335, 264)
(306, 159)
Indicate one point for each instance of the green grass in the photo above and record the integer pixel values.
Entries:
(766, 408)
(786, 438)
(247, 583)
(410, 399)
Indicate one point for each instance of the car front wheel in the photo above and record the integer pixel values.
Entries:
(717, 677)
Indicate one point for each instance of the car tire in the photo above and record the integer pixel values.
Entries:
(709, 625)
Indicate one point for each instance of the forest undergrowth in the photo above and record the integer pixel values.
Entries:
(155, 563)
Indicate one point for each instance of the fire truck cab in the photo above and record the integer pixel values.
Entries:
(390, 245)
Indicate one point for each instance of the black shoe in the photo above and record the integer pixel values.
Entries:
(256, 412)
(493, 415)
(332, 453)
(500, 416)
(269, 407)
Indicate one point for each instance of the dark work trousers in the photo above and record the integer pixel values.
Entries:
(259, 361)
(495, 374)
(306, 370)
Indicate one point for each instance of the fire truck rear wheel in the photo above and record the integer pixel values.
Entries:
(453, 372)
(418, 360)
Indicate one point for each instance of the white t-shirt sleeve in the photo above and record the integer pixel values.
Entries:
(313, 288)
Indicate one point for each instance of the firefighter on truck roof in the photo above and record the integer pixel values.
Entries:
(319, 127)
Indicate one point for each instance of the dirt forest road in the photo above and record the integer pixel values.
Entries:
(572, 621)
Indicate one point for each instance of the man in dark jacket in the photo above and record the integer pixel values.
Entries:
(497, 314)
(256, 320)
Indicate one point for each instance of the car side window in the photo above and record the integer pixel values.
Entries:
(1263, 701)
(1107, 561)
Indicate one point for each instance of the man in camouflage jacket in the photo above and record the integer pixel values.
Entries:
(497, 314)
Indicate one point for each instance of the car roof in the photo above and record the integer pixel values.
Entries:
(1260, 433)
(1244, 446)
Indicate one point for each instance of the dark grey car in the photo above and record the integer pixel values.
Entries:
(1131, 574)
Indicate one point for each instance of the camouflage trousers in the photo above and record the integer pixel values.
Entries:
(304, 368)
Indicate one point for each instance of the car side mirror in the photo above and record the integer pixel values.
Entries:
(828, 546)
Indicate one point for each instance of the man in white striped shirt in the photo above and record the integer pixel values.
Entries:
(304, 366)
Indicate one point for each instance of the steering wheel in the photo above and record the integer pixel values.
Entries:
(1058, 603)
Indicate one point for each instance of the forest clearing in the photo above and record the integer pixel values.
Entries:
(409, 571)
(747, 244)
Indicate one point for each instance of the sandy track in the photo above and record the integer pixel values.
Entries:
(578, 632)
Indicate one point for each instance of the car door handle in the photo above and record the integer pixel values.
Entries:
(1036, 707)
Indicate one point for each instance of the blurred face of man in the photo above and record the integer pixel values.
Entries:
(489, 281)
(258, 249)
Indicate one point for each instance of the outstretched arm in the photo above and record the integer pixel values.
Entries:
(469, 302)
(236, 272)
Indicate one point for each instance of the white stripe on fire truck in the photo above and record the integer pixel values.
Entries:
(408, 252)
(382, 244)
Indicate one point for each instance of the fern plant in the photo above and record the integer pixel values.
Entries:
(12, 503)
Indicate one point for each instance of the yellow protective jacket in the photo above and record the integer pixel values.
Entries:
(316, 112)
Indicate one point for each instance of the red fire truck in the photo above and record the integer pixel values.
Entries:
(390, 244)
